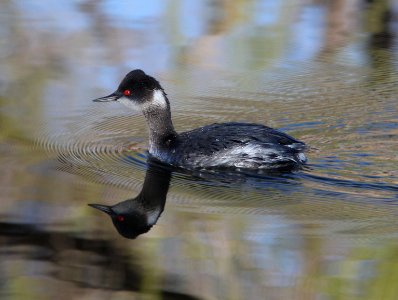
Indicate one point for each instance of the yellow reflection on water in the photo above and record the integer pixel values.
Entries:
(324, 71)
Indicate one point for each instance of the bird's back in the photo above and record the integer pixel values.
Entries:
(237, 145)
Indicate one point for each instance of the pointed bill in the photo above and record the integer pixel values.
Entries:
(111, 97)
(105, 208)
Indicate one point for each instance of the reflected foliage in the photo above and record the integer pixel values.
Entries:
(324, 71)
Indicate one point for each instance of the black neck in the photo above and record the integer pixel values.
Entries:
(156, 186)
(161, 129)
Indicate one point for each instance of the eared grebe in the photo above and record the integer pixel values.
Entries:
(136, 216)
(226, 145)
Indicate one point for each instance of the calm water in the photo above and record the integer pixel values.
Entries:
(325, 72)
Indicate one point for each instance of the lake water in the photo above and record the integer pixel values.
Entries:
(325, 72)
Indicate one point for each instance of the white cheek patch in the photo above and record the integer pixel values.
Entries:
(159, 99)
(153, 216)
(130, 104)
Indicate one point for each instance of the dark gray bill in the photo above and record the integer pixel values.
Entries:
(111, 97)
(104, 208)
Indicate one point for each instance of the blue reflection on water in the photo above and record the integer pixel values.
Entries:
(130, 14)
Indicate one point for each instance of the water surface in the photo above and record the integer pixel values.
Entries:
(323, 72)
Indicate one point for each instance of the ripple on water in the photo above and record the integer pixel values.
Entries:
(349, 126)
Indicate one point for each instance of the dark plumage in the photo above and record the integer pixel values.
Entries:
(136, 216)
(239, 145)
(227, 145)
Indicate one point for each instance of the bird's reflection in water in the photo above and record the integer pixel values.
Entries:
(136, 216)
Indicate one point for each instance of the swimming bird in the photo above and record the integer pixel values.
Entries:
(220, 145)
(136, 216)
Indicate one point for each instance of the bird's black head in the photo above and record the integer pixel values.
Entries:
(137, 89)
(139, 86)
(135, 216)
(129, 224)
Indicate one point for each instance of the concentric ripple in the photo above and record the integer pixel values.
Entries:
(349, 123)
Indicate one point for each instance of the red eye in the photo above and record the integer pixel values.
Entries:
(127, 93)
(120, 218)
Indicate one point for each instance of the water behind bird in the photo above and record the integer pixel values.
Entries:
(230, 233)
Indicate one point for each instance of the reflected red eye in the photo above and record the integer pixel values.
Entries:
(120, 218)
(127, 92)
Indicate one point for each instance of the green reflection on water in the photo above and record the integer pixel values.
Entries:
(302, 240)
